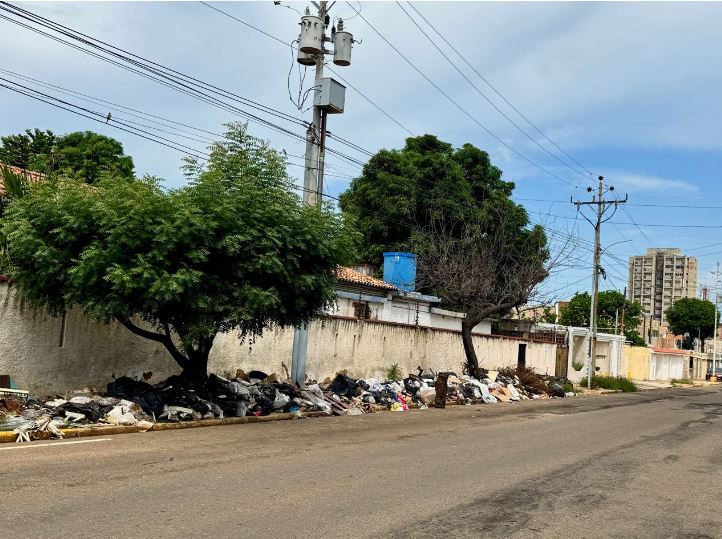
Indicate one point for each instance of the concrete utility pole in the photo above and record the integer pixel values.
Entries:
(328, 98)
(602, 208)
(714, 338)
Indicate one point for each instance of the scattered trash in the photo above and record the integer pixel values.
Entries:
(131, 402)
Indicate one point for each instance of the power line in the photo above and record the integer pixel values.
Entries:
(161, 74)
(667, 225)
(638, 205)
(497, 92)
(482, 94)
(100, 120)
(457, 105)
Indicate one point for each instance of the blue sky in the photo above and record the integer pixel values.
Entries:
(631, 90)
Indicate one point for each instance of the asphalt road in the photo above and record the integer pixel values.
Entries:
(637, 465)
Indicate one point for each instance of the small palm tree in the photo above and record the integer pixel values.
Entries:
(12, 185)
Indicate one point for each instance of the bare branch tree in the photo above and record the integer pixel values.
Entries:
(484, 266)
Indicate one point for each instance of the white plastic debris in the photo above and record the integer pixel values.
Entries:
(74, 416)
(55, 403)
(121, 415)
(81, 400)
(45, 423)
(515, 395)
(179, 412)
(281, 400)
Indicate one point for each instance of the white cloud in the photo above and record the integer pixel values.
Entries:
(639, 182)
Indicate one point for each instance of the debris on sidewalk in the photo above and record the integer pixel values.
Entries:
(130, 402)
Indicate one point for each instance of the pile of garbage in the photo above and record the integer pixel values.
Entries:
(353, 396)
(132, 402)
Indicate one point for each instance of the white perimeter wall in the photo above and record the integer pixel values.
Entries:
(46, 355)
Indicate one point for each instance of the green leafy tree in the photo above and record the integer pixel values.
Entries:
(548, 316)
(611, 305)
(83, 154)
(428, 181)
(90, 156)
(27, 150)
(692, 316)
(235, 250)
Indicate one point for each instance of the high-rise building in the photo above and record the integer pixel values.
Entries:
(659, 278)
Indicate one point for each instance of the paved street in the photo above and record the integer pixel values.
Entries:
(635, 465)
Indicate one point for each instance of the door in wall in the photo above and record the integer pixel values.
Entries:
(521, 358)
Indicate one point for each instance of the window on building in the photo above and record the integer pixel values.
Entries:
(361, 310)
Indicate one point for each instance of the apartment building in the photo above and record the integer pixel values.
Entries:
(659, 278)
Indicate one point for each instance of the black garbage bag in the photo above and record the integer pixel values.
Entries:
(92, 411)
(343, 386)
(556, 389)
(412, 384)
(264, 400)
(256, 376)
(149, 398)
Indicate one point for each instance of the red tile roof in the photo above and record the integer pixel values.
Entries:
(670, 351)
(29, 174)
(347, 275)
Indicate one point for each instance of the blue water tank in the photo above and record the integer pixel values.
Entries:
(400, 270)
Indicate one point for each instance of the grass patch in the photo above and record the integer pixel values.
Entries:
(683, 381)
(618, 383)
(577, 365)
(568, 387)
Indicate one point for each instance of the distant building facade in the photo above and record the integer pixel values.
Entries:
(659, 278)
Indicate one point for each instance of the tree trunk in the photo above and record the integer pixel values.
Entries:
(194, 363)
(472, 362)
(196, 370)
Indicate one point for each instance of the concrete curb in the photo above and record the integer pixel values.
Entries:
(82, 432)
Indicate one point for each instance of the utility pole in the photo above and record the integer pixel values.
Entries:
(603, 206)
(329, 98)
(714, 338)
(624, 304)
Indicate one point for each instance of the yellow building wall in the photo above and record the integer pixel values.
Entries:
(635, 362)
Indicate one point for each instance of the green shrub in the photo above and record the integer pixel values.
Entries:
(618, 383)
(685, 381)
(577, 365)
(568, 387)
(394, 373)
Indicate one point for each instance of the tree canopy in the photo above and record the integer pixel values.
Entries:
(83, 154)
(426, 181)
(611, 304)
(692, 316)
(235, 249)
(476, 249)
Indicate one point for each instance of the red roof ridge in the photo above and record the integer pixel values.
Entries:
(348, 275)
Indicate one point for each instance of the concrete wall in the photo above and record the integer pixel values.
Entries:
(89, 354)
(609, 360)
(636, 362)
